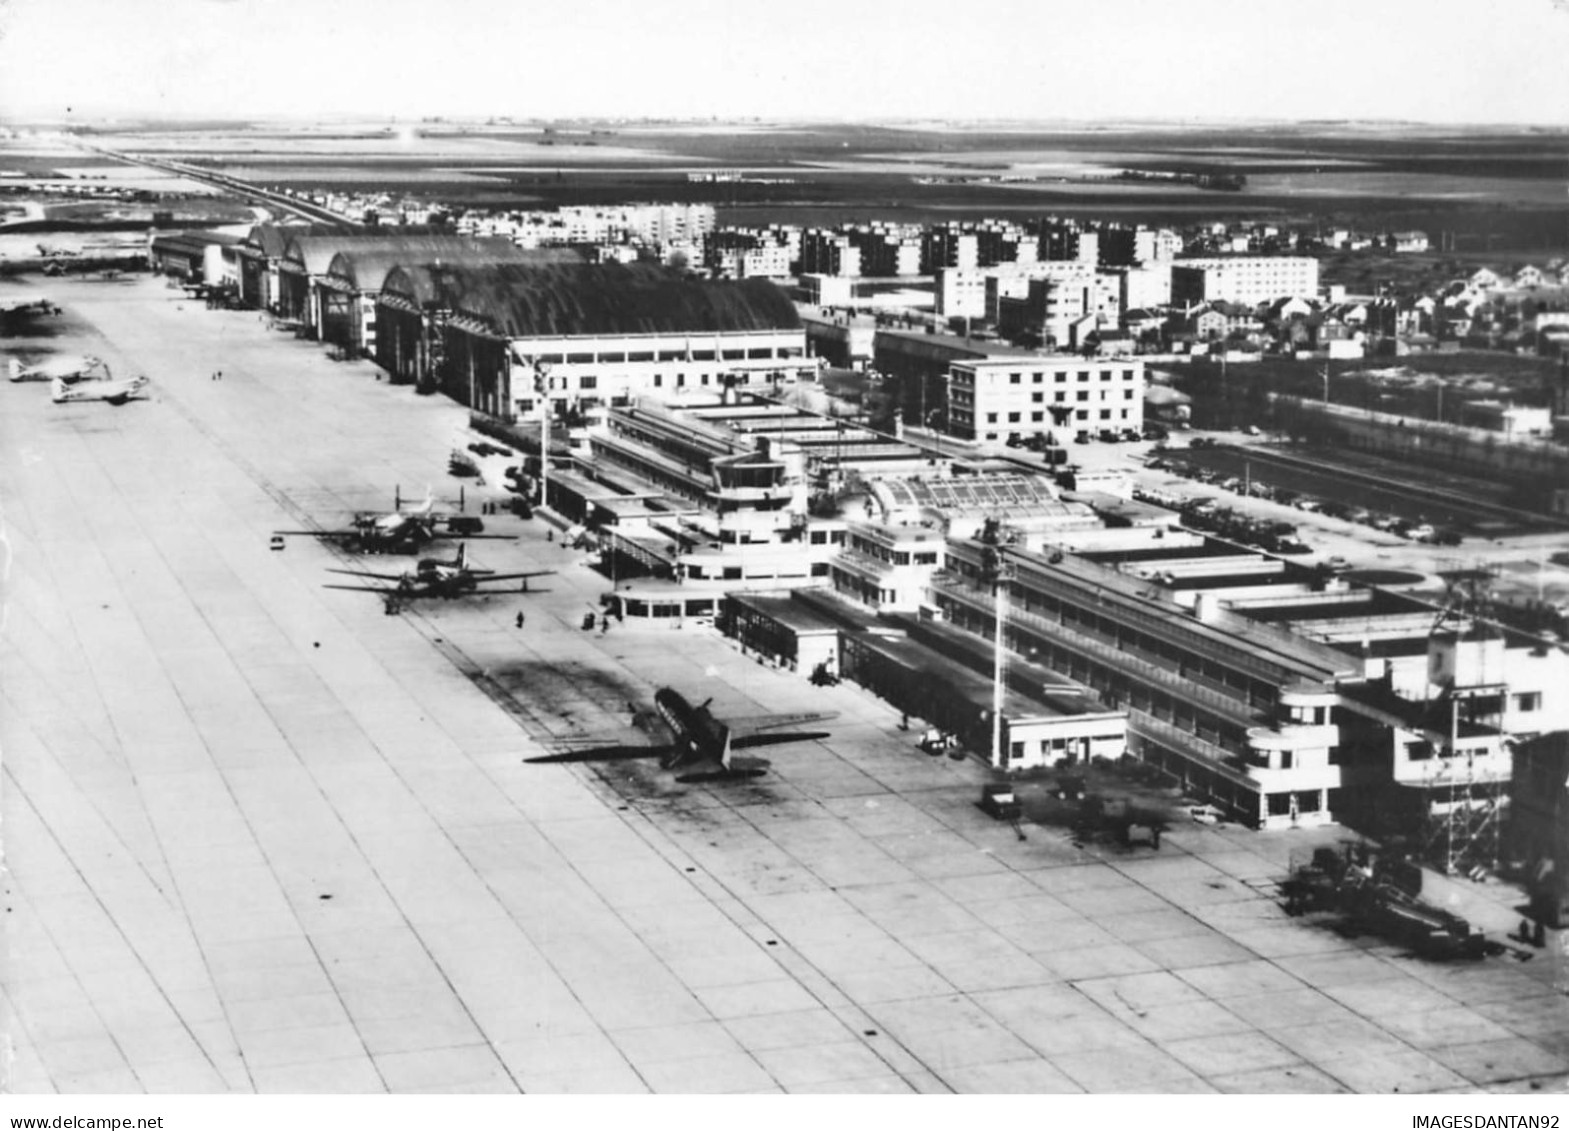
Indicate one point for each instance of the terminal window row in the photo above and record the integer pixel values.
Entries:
(1060, 377)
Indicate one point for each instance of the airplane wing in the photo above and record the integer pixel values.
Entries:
(371, 589)
(752, 741)
(752, 730)
(597, 754)
(689, 773)
(480, 575)
(373, 576)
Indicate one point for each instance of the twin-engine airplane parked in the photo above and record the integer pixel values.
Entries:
(402, 531)
(695, 745)
(434, 577)
(70, 369)
(33, 304)
(114, 392)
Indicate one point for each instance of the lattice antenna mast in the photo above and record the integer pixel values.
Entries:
(1467, 827)
(999, 573)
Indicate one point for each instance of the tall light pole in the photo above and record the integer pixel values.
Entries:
(542, 389)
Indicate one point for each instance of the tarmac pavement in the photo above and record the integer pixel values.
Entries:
(263, 837)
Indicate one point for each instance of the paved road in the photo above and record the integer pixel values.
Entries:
(264, 837)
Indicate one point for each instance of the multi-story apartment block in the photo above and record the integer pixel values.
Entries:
(1014, 398)
(1243, 278)
(825, 252)
(949, 246)
(961, 293)
(738, 254)
(1051, 309)
(1069, 242)
(1005, 243)
(1105, 299)
(888, 250)
(666, 224)
(1122, 246)
(1168, 245)
(1142, 288)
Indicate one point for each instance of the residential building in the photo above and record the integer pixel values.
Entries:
(949, 246)
(1052, 310)
(1069, 242)
(825, 252)
(1251, 279)
(1140, 288)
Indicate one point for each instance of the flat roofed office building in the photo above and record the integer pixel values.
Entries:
(1015, 398)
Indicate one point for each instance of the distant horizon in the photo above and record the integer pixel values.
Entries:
(121, 116)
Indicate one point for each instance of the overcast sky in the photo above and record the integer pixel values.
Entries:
(1428, 60)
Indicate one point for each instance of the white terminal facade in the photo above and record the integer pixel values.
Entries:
(1014, 398)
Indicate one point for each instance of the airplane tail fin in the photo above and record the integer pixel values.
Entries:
(57, 391)
(462, 560)
(724, 746)
(15, 370)
(430, 501)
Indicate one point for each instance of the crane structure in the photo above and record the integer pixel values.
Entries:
(1465, 664)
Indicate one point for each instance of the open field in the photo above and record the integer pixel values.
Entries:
(1497, 189)
(262, 837)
